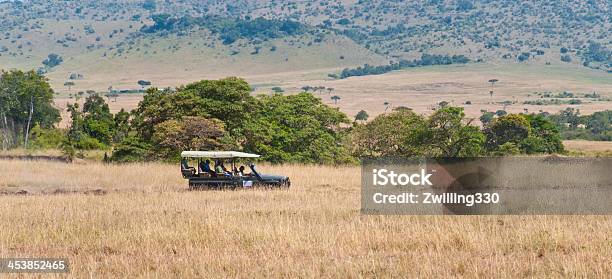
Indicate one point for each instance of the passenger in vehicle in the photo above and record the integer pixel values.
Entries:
(185, 168)
(224, 168)
(205, 167)
(220, 169)
(241, 171)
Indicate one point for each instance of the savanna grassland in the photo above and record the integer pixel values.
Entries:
(423, 88)
(140, 221)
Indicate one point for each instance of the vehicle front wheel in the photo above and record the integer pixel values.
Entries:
(286, 183)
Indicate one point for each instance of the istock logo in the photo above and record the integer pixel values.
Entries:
(383, 177)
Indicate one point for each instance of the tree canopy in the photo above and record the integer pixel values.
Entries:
(21, 92)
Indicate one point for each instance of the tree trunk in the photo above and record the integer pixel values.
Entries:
(14, 133)
(4, 133)
(8, 133)
(27, 134)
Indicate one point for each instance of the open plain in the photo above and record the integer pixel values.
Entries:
(140, 221)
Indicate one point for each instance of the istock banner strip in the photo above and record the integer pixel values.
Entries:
(484, 186)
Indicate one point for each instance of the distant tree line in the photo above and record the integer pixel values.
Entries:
(228, 29)
(446, 133)
(222, 114)
(573, 125)
(426, 60)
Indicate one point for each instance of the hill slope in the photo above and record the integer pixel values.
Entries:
(168, 41)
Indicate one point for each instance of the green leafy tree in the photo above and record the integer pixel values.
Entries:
(190, 133)
(26, 100)
(447, 136)
(132, 149)
(600, 122)
(42, 138)
(487, 117)
(396, 134)
(227, 99)
(507, 149)
(510, 128)
(77, 139)
(362, 115)
(544, 137)
(121, 125)
(98, 122)
(296, 128)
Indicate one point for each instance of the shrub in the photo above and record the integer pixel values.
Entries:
(46, 138)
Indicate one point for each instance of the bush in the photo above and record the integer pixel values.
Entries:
(523, 56)
(89, 143)
(53, 60)
(46, 138)
(131, 149)
(426, 60)
(508, 148)
(566, 58)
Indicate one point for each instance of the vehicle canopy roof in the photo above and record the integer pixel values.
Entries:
(217, 154)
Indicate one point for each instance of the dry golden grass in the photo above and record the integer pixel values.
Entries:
(586, 145)
(588, 148)
(148, 225)
(417, 88)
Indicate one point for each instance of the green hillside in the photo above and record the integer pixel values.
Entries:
(126, 40)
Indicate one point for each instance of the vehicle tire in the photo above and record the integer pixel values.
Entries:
(285, 183)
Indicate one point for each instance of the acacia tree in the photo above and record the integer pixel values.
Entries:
(386, 105)
(144, 83)
(492, 81)
(448, 136)
(69, 84)
(335, 98)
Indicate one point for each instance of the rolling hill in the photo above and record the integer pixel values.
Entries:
(124, 40)
(537, 46)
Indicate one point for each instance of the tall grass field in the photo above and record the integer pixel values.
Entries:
(126, 221)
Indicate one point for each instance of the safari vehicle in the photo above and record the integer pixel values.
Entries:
(202, 174)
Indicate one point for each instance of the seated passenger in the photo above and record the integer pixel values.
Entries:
(186, 169)
(205, 167)
(224, 168)
(240, 171)
(220, 169)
